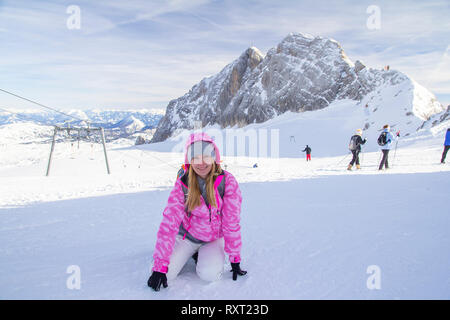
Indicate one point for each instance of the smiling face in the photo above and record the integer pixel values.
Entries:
(202, 165)
(202, 156)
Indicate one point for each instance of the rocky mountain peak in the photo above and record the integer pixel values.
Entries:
(302, 73)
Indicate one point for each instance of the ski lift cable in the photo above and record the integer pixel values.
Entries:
(140, 160)
(20, 116)
(128, 155)
(142, 153)
(124, 154)
(44, 106)
(71, 116)
(154, 157)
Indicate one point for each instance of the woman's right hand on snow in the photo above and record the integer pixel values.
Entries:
(156, 279)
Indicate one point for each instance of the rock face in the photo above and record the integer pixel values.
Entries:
(437, 120)
(139, 140)
(208, 100)
(302, 73)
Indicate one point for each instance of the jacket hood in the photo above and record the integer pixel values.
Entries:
(200, 136)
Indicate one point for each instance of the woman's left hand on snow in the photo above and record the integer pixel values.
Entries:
(236, 269)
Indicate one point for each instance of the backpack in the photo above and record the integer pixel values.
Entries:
(353, 145)
(181, 172)
(382, 139)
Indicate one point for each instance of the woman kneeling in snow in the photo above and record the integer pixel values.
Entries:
(201, 219)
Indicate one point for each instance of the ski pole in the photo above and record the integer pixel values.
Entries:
(395, 152)
(379, 159)
(343, 159)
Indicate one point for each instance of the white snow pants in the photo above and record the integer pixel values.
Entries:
(211, 258)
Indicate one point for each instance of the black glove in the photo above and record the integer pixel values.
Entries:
(156, 279)
(236, 269)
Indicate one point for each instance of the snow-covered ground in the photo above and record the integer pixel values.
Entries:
(310, 230)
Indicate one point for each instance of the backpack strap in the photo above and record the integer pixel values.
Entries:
(221, 186)
(184, 186)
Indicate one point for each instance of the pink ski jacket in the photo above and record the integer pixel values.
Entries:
(202, 224)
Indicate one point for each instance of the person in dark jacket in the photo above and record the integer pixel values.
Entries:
(308, 153)
(355, 148)
(446, 145)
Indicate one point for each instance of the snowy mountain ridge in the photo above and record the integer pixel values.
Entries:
(302, 73)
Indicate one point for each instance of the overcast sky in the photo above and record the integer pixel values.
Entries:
(141, 54)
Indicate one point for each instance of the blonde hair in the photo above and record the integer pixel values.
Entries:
(194, 193)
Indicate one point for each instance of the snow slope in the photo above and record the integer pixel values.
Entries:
(319, 246)
(326, 131)
(316, 225)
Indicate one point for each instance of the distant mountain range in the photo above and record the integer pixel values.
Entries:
(117, 123)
